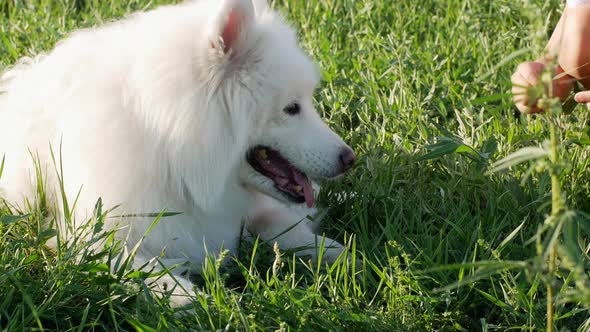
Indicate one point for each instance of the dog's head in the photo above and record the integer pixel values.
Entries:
(262, 83)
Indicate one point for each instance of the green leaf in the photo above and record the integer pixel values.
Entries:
(12, 219)
(518, 157)
(578, 140)
(9, 47)
(489, 147)
(486, 269)
(100, 267)
(443, 147)
(2, 166)
(138, 275)
(495, 300)
(139, 327)
(147, 215)
(46, 235)
(510, 236)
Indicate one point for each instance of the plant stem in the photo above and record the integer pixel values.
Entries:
(550, 290)
(556, 203)
(555, 210)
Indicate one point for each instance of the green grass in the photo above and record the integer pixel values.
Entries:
(420, 90)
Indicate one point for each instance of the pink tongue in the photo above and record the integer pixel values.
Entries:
(303, 181)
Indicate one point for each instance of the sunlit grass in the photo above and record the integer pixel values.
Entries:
(420, 90)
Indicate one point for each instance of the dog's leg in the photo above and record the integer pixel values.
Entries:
(292, 229)
(174, 284)
(170, 276)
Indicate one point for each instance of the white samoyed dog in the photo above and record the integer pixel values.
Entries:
(203, 108)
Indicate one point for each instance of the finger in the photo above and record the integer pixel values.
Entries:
(527, 74)
(524, 105)
(528, 109)
(520, 99)
(562, 83)
(582, 97)
(519, 88)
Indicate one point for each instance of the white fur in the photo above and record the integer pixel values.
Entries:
(157, 111)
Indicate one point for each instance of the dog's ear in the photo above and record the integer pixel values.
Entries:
(233, 25)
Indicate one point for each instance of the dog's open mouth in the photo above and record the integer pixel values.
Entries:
(287, 178)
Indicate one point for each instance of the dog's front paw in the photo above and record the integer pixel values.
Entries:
(334, 252)
(179, 290)
(331, 252)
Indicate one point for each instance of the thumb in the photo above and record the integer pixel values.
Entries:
(562, 83)
(583, 97)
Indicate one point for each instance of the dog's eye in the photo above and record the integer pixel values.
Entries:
(292, 109)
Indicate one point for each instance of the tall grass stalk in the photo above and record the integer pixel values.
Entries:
(547, 158)
(556, 204)
(553, 108)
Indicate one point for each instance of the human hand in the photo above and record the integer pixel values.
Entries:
(570, 41)
(525, 81)
(573, 50)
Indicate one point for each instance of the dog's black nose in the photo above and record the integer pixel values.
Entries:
(347, 158)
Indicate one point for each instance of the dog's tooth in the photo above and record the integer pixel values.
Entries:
(262, 154)
(297, 188)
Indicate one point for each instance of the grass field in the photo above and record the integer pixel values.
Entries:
(420, 91)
